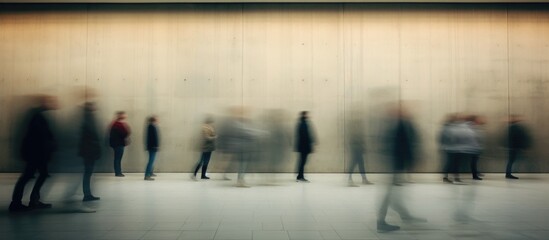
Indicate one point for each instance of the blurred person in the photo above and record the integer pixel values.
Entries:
(467, 144)
(518, 140)
(207, 146)
(37, 150)
(304, 142)
(277, 144)
(119, 138)
(402, 145)
(445, 142)
(238, 138)
(357, 145)
(152, 145)
(475, 123)
(400, 141)
(463, 145)
(89, 148)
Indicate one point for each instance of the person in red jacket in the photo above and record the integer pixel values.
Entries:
(119, 138)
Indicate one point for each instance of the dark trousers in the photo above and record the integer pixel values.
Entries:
(203, 162)
(474, 161)
(455, 162)
(448, 163)
(150, 164)
(357, 160)
(301, 164)
(86, 181)
(118, 153)
(512, 157)
(30, 169)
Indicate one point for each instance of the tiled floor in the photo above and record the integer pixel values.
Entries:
(175, 207)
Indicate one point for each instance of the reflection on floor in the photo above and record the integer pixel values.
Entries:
(277, 207)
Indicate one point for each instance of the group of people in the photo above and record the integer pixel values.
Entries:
(462, 139)
(39, 144)
(236, 137)
(119, 138)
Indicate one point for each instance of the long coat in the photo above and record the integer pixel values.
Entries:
(304, 137)
(518, 137)
(89, 146)
(402, 140)
(39, 142)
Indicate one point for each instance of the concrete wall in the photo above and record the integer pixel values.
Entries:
(336, 60)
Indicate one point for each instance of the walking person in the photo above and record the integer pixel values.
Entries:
(119, 139)
(207, 147)
(37, 150)
(238, 139)
(476, 123)
(357, 148)
(153, 144)
(304, 143)
(400, 142)
(464, 145)
(518, 140)
(89, 148)
(446, 146)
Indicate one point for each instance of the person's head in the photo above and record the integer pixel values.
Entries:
(152, 119)
(304, 115)
(461, 117)
(209, 120)
(471, 118)
(49, 102)
(480, 120)
(450, 118)
(89, 106)
(120, 115)
(239, 112)
(514, 118)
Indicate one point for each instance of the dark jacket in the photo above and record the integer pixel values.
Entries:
(357, 141)
(119, 134)
(153, 142)
(518, 137)
(89, 147)
(402, 140)
(39, 142)
(304, 137)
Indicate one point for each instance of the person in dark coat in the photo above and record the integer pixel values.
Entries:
(89, 148)
(37, 150)
(207, 146)
(304, 144)
(401, 141)
(153, 144)
(118, 139)
(518, 140)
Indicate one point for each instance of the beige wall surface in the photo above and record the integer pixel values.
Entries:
(339, 61)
